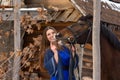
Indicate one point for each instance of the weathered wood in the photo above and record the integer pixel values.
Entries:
(74, 16)
(64, 15)
(96, 40)
(9, 12)
(65, 4)
(87, 60)
(17, 40)
(69, 15)
(57, 25)
(87, 67)
(87, 53)
(108, 14)
(55, 14)
(88, 46)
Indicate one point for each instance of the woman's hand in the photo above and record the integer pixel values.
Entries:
(53, 46)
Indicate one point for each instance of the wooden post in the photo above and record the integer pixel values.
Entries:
(96, 40)
(17, 40)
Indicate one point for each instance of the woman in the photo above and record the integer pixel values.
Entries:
(57, 56)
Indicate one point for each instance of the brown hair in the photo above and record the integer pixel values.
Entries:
(45, 44)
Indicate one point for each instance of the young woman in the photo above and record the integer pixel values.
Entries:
(57, 56)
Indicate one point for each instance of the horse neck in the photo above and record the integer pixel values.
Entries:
(110, 58)
(106, 47)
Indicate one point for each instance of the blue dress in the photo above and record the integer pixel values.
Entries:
(59, 71)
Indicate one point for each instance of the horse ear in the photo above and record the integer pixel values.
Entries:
(86, 18)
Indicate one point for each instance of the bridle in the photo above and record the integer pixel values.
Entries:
(77, 35)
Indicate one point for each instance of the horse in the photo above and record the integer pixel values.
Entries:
(109, 45)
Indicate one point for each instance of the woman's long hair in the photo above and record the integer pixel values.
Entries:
(45, 44)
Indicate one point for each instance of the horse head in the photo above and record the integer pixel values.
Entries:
(79, 32)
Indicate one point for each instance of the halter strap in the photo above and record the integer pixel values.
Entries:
(75, 35)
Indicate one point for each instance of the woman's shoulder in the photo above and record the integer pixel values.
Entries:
(66, 47)
(48, 52)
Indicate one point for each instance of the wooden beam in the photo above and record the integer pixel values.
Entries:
(58, 4)
(17, 40)
(2, 6)
(8, 13)
(57, 25)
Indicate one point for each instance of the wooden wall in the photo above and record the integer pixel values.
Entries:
(6, 37)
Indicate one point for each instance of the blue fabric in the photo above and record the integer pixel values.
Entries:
(57, 71)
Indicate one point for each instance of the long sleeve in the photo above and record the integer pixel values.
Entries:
(49, 63)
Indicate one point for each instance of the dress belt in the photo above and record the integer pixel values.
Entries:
(65, 68)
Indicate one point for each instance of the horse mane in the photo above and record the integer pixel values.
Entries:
(110, 36)
(104, 29)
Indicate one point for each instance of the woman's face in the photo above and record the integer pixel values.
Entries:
(51, 35)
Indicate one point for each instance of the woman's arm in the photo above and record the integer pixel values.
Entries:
(50, 63)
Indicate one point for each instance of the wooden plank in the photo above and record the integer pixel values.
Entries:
(57, 25)
(87, 67)
(75, 15)
(1, 6)
(87, 60)
(64, 15)
(88, 46)
(87, 53)
(55, 15)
